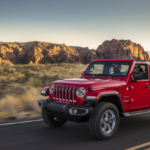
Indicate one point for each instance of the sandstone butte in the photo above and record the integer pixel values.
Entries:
(43, 52)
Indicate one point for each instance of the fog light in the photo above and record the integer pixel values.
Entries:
(73, 111)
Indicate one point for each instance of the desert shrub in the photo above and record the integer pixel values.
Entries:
(21, 85)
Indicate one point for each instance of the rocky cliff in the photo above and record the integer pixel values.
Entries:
(122, 49)
(148, 52)
(42, 52)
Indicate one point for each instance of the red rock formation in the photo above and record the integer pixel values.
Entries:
(7, 53)
(42, 52)
(5, 62)
(85, 54)
(122, 49)
(61, 53)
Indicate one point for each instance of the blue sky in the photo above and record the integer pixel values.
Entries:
(85, 23)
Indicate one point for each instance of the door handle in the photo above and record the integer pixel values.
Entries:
(147, 86)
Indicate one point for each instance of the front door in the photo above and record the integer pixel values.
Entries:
(140, 90)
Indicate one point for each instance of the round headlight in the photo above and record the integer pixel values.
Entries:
(80, 92)
(51, 89)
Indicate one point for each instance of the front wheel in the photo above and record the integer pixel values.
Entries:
(104, 121)
(52, 121)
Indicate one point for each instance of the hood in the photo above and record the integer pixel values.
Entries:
(94, 83)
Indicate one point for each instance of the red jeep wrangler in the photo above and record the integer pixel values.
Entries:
(108, 89)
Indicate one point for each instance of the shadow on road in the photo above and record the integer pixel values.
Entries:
(76, 132)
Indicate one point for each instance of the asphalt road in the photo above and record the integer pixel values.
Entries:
(133, 131)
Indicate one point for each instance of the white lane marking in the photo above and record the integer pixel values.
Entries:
(6, 124)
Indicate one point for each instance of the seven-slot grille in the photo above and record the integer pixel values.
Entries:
(65, 93)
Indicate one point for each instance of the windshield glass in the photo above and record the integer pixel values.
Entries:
(111, 68)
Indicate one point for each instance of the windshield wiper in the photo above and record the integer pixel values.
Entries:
(108, 75)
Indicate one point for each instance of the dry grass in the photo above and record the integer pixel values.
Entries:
(21, 85)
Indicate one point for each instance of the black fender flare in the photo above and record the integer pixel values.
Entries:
(105, 95)
(118, 97)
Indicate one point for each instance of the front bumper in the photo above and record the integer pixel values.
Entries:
(66, 109)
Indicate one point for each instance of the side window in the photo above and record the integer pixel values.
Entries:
(142, 68)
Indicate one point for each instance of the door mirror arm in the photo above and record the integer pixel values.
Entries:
(82, 73)
(133, 80)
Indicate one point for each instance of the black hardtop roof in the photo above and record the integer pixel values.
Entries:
(143, 61)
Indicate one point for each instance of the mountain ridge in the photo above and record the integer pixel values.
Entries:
(44, 52)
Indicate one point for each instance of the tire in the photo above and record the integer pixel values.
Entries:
(52, 121)
(104, 121)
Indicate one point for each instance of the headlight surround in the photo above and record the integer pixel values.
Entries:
(80, 92)
(51, 89)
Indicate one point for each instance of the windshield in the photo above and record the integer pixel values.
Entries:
(109, 68)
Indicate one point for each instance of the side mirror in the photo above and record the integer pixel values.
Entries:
(82, 73)
(136, 76)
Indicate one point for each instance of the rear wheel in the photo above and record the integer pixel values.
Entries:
(52, 121)
(104, 121)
